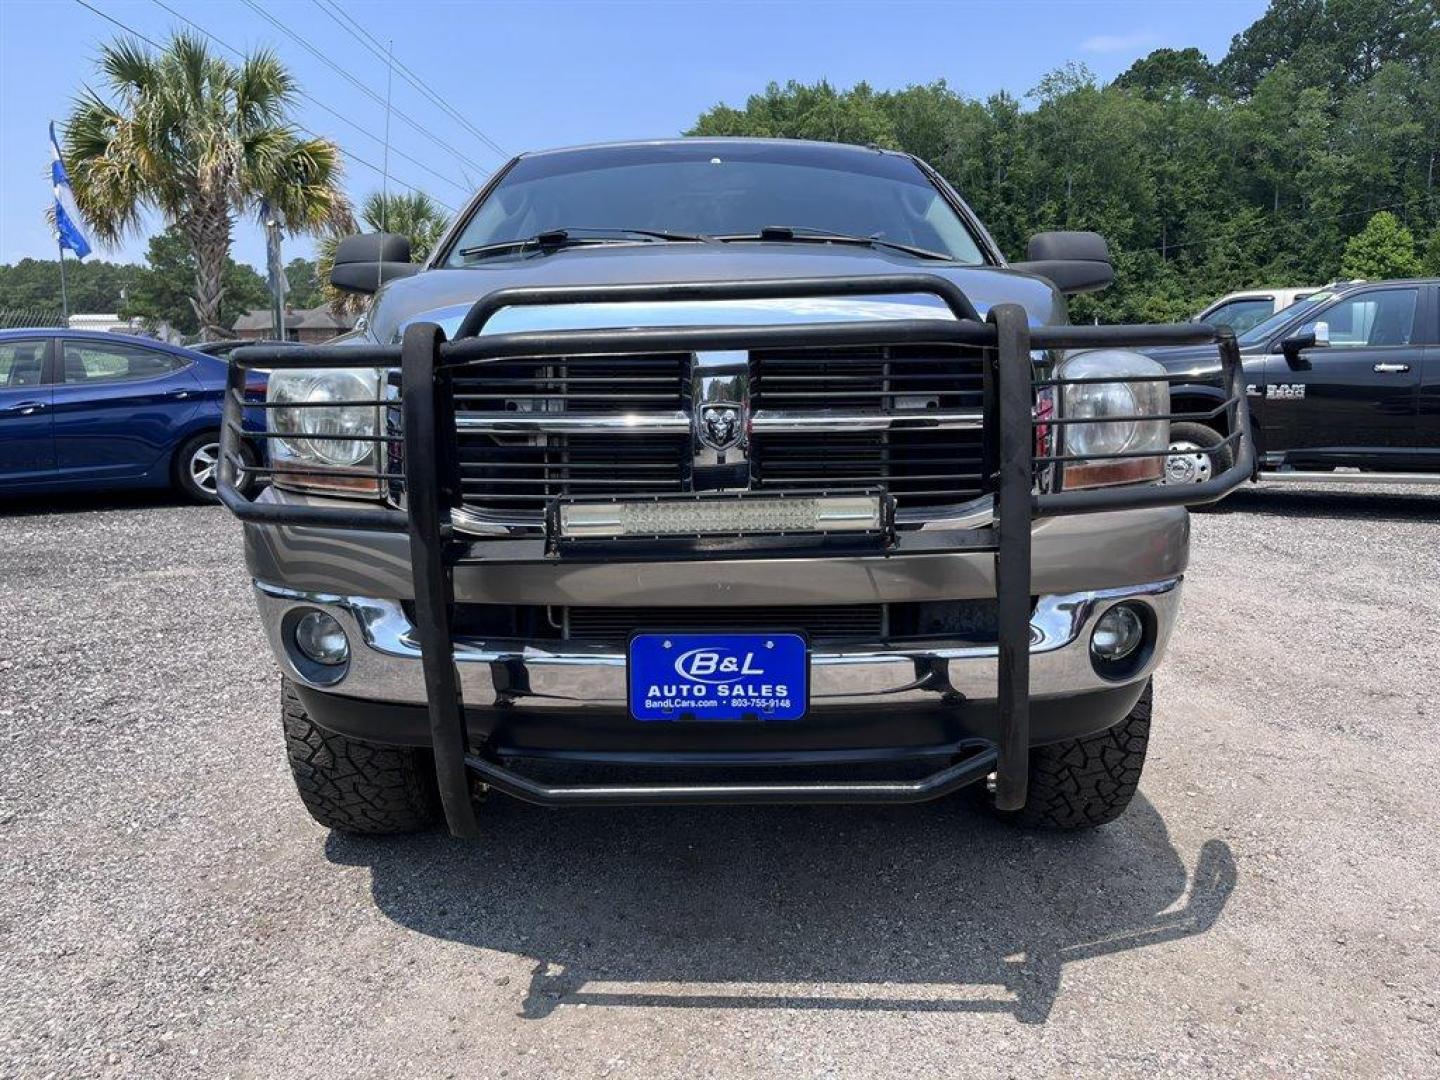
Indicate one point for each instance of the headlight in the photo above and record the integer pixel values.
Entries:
(1126, 401)
(328, 442)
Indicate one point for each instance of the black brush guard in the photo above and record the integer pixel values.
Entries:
(426, 361)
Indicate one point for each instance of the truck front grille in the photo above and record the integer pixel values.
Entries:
(854, 622)
(972, 621)
(920, 468)
(526, 472)
(595, 385)
(904, 419)
(520, 464)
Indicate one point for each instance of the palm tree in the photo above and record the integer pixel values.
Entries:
(415, 215)
(201, 140)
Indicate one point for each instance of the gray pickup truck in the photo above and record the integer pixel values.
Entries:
(717, 471)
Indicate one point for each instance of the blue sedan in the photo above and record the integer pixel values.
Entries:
(83, 410)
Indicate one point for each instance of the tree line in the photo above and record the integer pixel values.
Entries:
(158, 292)
(1309, 152)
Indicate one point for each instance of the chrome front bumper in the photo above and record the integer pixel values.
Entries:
(556, 676)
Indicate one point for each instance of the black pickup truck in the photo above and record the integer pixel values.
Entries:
(1346, 379)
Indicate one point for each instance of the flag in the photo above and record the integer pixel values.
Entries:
(67, 216)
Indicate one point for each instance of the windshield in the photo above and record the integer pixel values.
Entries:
(719, 190)
(1261, 331)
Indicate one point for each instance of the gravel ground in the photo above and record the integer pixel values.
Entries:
(1268, 906)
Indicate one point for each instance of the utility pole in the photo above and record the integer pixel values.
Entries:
(275, 265)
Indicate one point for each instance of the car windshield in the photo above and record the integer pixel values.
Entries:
(721, 191)
(1261, 331)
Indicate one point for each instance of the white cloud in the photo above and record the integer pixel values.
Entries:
(1113, 43)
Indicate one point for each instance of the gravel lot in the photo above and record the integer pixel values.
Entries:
(1268, 906)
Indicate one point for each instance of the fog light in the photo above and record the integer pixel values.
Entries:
(320, 638)
(1118, 633)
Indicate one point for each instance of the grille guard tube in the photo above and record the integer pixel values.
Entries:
(971, 769)
(428, 443)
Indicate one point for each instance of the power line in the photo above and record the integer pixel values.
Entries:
(313, 134)
(313, 51)
(467, 188)
(352, 26)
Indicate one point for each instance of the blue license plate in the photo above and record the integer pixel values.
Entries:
(718, 676)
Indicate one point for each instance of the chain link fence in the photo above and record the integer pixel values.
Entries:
(14, 318)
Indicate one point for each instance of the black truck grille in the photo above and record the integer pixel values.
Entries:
(523, 470)
(920, 468)
(855, 622)
(526, 472)
(580, 384)
(838, 420)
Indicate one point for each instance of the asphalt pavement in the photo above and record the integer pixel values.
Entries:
(1270, 905)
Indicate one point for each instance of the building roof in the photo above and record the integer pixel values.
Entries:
(322, 318)
(317, 318)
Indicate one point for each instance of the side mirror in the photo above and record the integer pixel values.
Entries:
(1292, 347)
(363, 263)
(1076, 262)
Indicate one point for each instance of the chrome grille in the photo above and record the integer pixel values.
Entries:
(578, 384)
(902, 418)
(523, 466)
(920, 468)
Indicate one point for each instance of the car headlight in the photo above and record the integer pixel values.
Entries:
(1118, 409)
(328, 441)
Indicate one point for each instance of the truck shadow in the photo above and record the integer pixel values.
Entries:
(89, 502)
(1421, 504)
(932, 908)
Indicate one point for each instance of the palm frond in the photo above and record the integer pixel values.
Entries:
(302, 181)
(188, 57)
(264, 90)
(413, 214)
(129, 67)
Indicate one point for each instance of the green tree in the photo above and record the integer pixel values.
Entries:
(1205, 178)
(1432, 253)
(93, 285)
(1168, 72)
(798, 111)
(1331, 43)
(200, 140)
(304, 282)
(162, 291)
(1383, 249)
(413, 214)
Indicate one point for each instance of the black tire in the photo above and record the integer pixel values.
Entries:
(355, 786)
(204, 447)
(1197, 439)
(1082, 783)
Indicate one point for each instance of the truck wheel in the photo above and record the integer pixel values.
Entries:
(1081, 783)
(355, 786)
(1197, 452)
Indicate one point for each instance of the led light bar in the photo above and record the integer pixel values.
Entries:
(721, 517)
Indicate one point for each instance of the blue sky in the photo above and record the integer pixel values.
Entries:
(539, 74)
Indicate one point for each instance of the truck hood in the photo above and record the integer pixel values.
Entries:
(444, 295)
(1194, 360)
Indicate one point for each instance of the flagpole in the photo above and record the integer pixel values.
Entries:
(64, 292)
(275, 269)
